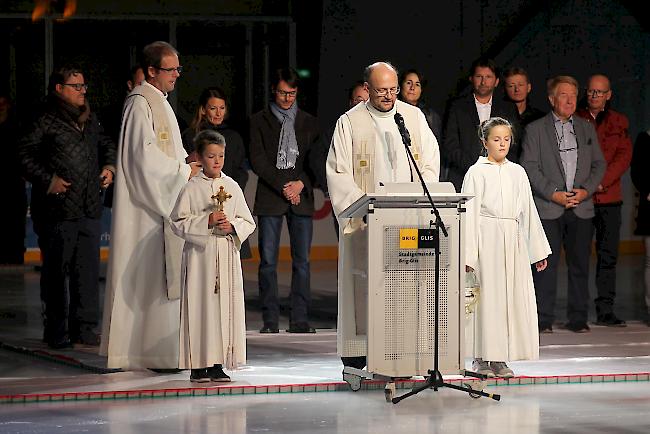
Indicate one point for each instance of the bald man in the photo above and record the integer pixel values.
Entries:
(367, 149)
(612, 129)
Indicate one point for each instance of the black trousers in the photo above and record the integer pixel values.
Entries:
(70, 252)
(607, 223)
(574, 234)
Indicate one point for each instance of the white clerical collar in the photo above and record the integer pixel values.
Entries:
(373, 111)
(146, 83)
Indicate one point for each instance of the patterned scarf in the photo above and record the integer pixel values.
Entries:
(287, 146)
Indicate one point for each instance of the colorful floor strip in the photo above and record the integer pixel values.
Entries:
(234, 389)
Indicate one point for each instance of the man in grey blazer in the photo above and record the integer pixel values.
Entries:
(565, 165)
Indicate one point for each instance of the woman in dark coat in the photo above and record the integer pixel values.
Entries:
(211, 114)
(412, 84)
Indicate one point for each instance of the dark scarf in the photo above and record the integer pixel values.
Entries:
(73, 114)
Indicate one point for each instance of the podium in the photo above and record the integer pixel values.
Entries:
(400, 316)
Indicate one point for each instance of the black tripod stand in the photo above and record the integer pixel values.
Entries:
(434, 380)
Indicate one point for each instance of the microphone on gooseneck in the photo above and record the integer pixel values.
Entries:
(406, 137)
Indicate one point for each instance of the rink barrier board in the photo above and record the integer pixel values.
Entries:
(328, 253)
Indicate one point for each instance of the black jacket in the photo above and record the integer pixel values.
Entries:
(54, 145)
(263, 150)
(461, 146)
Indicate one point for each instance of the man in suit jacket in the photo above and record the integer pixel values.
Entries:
(461, 145)
(282, 141)
(565, 165)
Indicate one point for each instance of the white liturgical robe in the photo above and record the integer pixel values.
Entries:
(504, 236)
(367, 149)
(141, 324)
(213, 326)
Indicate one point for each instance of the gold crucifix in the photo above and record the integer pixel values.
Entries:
(220, 198)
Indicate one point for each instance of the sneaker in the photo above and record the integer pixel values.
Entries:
(501, 370)
(200, 376)
(482, 367)
(610, 320)
(578, 327)
(217, 375)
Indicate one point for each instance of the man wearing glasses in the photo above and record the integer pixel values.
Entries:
(283, 149)
(142, 308)
(367, 149)
(612, 129)
(565, 166)
(68, 159)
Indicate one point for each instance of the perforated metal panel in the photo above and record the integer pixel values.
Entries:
(409, 290)
(402, 285)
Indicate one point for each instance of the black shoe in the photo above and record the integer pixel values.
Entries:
(200, 376)
(545, 328)
(166, 370)
(217, 375)
(301, 327)
(60, 344)
(577, 327)
(270, 328)
(92, 339)
(610, 320)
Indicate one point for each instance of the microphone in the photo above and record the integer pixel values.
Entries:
(406, 137)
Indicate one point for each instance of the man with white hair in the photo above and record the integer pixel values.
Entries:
(367, 149)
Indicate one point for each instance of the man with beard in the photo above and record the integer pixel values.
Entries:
(69, 160)
(461, 145)
(367, 149)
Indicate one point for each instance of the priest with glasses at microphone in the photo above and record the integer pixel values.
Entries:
(367, 149)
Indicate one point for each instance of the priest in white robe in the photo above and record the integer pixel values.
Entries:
(504, 236)
(367, 149)
(142, 301)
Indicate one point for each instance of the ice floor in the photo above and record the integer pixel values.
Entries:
(595, 382)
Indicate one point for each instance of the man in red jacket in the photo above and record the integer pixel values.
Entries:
(612, 129)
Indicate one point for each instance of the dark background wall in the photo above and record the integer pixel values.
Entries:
(547, 38)
(234, 43)
(576, 37)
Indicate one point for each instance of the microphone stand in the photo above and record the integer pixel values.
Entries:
(434, 380)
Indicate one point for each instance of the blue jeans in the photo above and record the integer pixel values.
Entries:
(300, 233)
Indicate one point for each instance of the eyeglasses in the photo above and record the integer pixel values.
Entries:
(385, 92)
(596, 93)
(284, 93)
(178, 69)
(76, 86)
